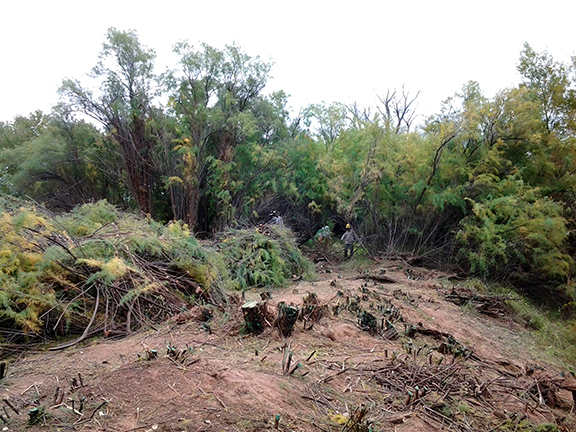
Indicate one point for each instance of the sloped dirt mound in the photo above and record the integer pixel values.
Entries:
(390, 356)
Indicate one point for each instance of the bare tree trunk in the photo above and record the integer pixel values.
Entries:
(138, 164)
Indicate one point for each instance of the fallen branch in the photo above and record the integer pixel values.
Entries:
(93, 412)
(7, 402)
(331, 377)
(377, 278)
(399, 418)
(86, 330)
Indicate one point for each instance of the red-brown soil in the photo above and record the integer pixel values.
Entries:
(225, 381)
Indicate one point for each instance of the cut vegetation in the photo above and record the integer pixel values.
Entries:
(165, 333)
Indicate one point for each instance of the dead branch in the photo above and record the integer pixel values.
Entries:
(377, 278)
(86, 330)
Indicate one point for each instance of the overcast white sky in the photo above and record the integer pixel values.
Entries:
(323, 50)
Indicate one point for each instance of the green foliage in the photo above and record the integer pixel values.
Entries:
(262, 259)
(527, 426)
(515, 229)
(62, 163)
(13, 135)
(464, 408)
(87, 219)
(216, 102)
(487, 185)
(46, 267)
(549, 81)
(328, 122)
(552, 335)
(526, 313)
(110, 270)
(546, 427)
(24, 295)
(52, 271)
(123, 106)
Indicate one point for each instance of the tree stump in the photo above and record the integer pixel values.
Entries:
(36, 415)
(312, 310)
(254, 317)
(368, 322)
(287, 316)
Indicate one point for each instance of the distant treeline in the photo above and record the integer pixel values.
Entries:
(486, 186)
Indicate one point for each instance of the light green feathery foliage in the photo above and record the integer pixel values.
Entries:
(265, 256)
(59, 272)
(515, 230)
(24, 294)
(52, 270)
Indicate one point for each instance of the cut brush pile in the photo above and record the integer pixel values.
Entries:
(99, 271)
(265, 256)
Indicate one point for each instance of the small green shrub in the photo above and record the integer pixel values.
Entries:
(547, 427)
(446, 411)
(464, 408)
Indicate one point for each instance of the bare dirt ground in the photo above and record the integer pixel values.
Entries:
(441, 367)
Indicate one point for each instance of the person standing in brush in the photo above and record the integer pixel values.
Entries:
(348, 238)
(323, 236)
(276, 219)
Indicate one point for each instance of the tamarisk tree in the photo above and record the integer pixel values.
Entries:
(122, 106)
(214, 97)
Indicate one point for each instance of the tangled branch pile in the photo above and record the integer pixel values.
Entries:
(265, 256)
(98, 271)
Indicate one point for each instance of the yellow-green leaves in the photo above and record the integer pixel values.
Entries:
(23, 294)
(110, 270)
(515, 231)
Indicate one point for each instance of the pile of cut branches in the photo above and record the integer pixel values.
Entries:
(96, 270)
(492, 305)
(263, 256)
